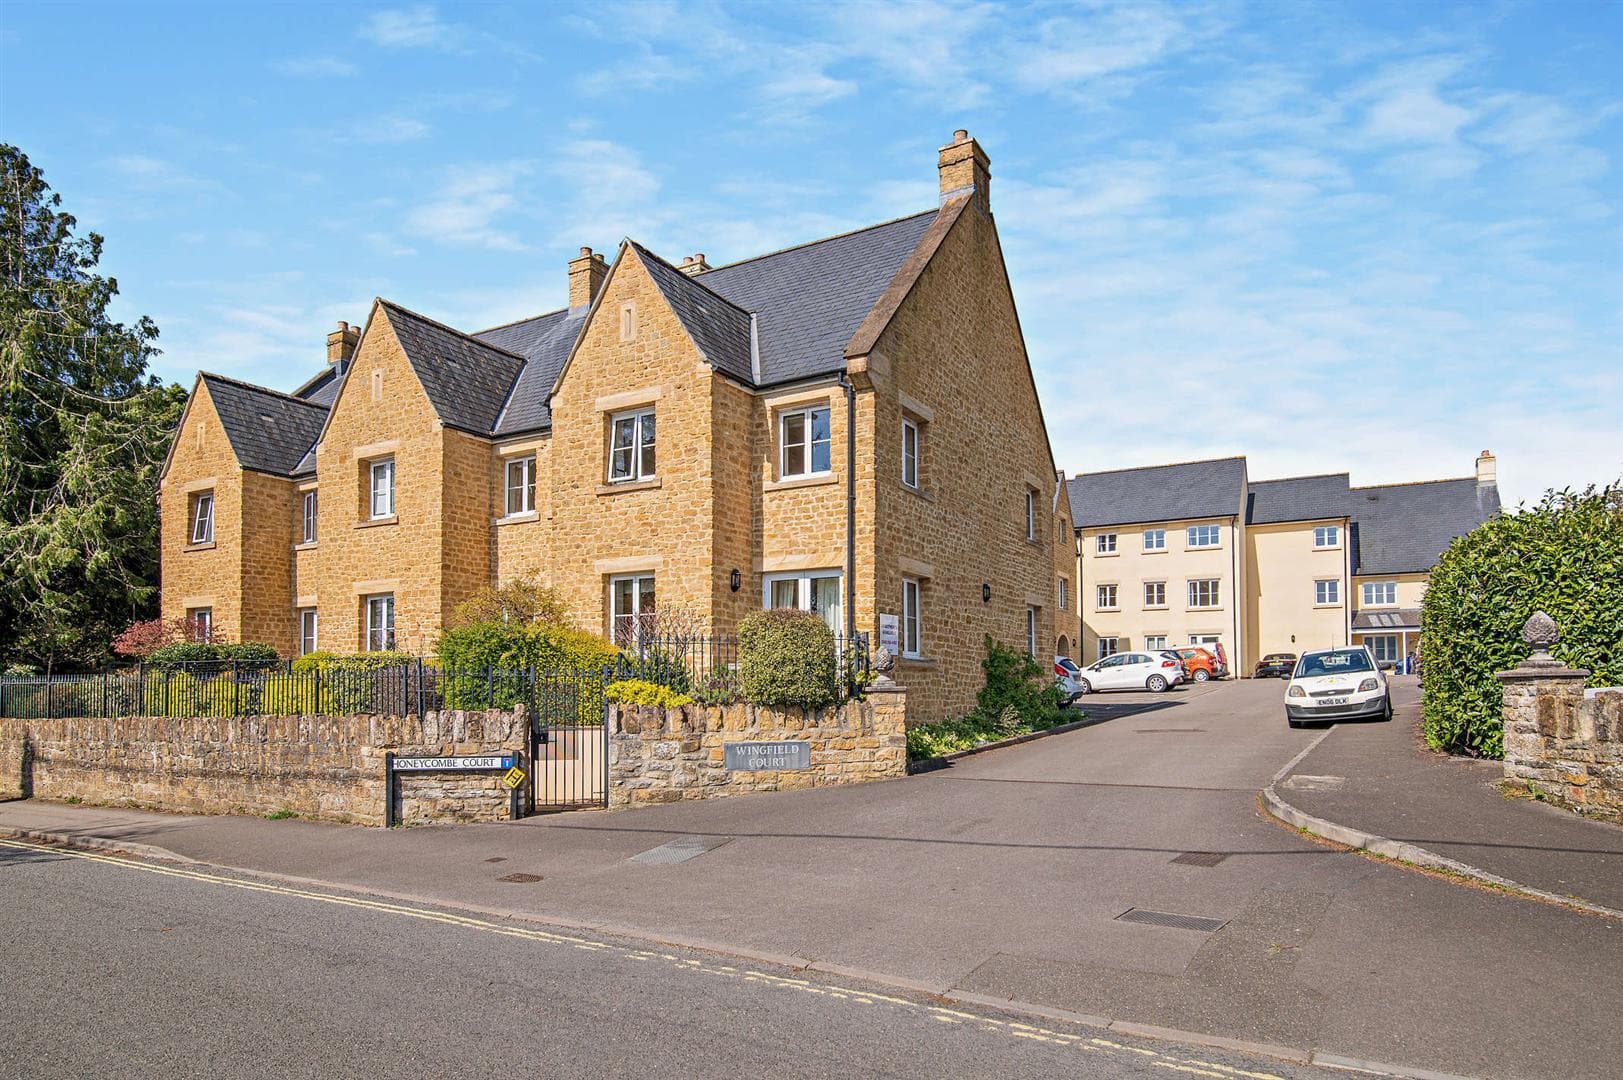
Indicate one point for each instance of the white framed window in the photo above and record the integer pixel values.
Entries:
(1104, 597)
(1326, 536)
(1109, 646)
(803, 442)
(631, 607)
(1031, 516)
(203, 517)
(307, 533)
(382, 488)
(1104, 544)
(1155, 539)
(380, 622)
(1384, 647)
(805, 590)
(307, 630)
(1202, 536)
(910, 453)
(1064, 594)
(911, 637)
(1031, 632)
(200, 621)
(1155, 594)
(1327, 591)
(1155, 642)
(631, 446)
(1380, 593)
(520, 485)
(1203, 593)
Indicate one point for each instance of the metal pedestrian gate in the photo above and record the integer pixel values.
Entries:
(569, 741)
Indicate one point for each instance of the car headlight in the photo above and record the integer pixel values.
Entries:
(1368, 684)
(1296, 691)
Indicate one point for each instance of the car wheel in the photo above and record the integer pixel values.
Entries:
(1156, 683)
(1386, 714)
(1201, 674)
(1083, 687)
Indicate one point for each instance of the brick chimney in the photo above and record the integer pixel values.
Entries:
(586, 274)
(1487, 470)
(964, 168)
(694, 264)
(341, 344)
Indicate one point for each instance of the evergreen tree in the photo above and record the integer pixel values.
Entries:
(83, 433)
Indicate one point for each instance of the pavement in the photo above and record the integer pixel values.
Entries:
(1003, 879)
(1380, 778)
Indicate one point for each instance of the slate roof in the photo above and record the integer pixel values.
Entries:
(467, 380)
(1192, 489)
(1297, 498)
(544, 341)
(719, 327)
(1387, 619)
(792, 310)
(1402, 528)
(268, 431)
(809, 300)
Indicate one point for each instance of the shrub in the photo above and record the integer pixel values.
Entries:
(1015, 680)
(295, 695)
(249, 652)
(787, 658)
(184, 652)
(720, 686)
(1563, 556)
(144, 638)
(521, 601)
(546, 647)
(312, 662)
(642, 692)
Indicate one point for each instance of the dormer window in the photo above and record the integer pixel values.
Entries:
(631, 446)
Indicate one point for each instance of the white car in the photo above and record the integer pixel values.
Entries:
(1066, 673)
(1337, 684)
(1130, 671)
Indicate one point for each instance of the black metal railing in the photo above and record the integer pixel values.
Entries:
(703, 667)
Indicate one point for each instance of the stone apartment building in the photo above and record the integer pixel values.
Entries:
(1198, 554)
(848, 426)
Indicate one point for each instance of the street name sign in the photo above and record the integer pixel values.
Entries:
(761, 756)
(465, 762)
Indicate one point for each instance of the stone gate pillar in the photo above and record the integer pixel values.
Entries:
(1542, 712)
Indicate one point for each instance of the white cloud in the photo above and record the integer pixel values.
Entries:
(408, 28)
(469, 208)
(392, 129)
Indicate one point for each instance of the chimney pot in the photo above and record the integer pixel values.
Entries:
(341, 344)
(1487, 470)
(961, 135)
(694, 264)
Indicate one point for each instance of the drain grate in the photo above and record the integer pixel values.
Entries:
(1172, 921)
(1201, 858)
(519, 879)
(680, 850)
(497, 858)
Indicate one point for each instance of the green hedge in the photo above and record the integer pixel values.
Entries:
(199, 652)
(787, 658)
(1563, 556)
(642, 692)
(511, 646)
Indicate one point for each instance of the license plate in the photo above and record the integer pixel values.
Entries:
(1333, 701)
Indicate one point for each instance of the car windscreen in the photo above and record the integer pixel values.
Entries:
(1341, 662)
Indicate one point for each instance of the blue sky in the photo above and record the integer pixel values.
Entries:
(1362, 237)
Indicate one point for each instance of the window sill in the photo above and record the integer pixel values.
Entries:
(1155, 551)
(1106, 554)
(619, 486)
(1335, 548)
(1335, 606)
(514, 519)
(809, 480)
(917, 661)
(1208, 547)
(927, 496)
(307, 545)
(1108, 610)
(1156, 607)
(206, 545)
(371, 523)
(1204, 609)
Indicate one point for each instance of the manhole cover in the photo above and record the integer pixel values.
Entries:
(681, 850)
(497, 858)
(520, 879)
(1201, 858)
(1171, 920)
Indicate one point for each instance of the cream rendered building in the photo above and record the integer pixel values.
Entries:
(1198, 554)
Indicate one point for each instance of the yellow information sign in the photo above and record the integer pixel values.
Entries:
(513, 777)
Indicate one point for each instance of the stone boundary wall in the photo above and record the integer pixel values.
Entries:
(331, 768)
(670, 755)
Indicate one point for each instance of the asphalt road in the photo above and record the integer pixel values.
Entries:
(125, 969)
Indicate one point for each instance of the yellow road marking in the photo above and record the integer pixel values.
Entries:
(1187, 1069)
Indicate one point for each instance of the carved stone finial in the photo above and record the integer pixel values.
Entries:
(883, 662)
(1540, 632)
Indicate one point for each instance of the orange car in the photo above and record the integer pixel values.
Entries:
(1200, 665)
